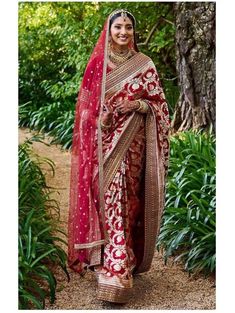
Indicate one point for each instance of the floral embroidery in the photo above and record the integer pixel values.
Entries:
(146, 86)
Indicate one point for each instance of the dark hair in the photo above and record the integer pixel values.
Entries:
(120, 14)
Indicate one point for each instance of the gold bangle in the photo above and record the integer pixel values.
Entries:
(140, 108)
(143, 107)
(139, 105)
(105, 126)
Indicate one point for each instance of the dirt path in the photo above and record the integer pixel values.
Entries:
(163, 287)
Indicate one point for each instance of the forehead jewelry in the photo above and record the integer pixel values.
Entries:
(123, 14)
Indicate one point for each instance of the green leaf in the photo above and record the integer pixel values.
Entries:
(42, 256)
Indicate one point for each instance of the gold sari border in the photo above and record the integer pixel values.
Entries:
(114, 160)
(153, 193)
(120, 73)
(89, 245)
(114, 289)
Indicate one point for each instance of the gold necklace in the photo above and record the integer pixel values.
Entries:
(119, 57)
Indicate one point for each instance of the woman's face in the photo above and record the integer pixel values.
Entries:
(121, 32)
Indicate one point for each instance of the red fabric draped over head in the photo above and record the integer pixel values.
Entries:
(86, 214)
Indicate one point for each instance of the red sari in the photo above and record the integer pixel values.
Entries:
(117, 174)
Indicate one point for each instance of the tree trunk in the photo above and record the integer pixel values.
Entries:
(195, 46)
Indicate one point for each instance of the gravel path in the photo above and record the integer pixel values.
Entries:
(163, 287)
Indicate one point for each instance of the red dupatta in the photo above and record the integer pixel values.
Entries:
(86, 205)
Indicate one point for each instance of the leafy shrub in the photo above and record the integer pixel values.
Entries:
(188, 225)
(39, 244)
(63, 131)
(55, 120)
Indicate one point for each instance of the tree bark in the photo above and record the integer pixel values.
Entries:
(195, 48)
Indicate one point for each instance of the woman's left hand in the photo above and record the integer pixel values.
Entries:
(127, 106)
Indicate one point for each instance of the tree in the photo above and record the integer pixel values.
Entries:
(195, 48)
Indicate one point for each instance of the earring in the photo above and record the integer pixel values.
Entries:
(110, 43)
(131, 43)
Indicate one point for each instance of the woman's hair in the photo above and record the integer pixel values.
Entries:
(120, 13)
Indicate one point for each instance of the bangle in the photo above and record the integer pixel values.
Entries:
(105, 126)
(139, 102)
(143, 107)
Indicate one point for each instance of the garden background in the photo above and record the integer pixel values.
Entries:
(53, 50)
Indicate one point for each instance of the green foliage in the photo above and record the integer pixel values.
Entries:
(62, 133)
(56, 120)
(39, 245)
(188, 225)
(172, 94)
(54, 47)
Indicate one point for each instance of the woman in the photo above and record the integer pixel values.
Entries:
(119, 162)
